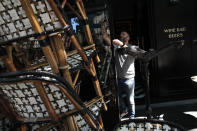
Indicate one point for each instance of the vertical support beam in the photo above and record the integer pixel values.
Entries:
(61, 56)
(76, 77)
(50, 58)
(9, 64)
(54, 50)
(24, 128)
(9, 52)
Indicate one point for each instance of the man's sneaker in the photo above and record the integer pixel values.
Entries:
(131, 117)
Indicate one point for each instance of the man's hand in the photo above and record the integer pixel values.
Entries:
(118, 42)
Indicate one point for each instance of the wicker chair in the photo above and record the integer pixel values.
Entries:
(42, 101)
(42, 22)
(147, 125)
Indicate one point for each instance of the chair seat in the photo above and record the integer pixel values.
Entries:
(74, 62)
(94, 107)
(147, 125)
(21, 91)
(15, 24)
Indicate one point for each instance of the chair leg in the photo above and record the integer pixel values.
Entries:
(71, 124)
(9, 64)
(23, 128)
(91, 69)
(61, 56)
(101, 122)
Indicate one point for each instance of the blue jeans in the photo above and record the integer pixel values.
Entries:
(126, 95)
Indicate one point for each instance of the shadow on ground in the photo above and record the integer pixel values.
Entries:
(176, 114)
(186, 120)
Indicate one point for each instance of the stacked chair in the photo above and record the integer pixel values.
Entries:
(36, 98)
(39, 87)
(147, 125)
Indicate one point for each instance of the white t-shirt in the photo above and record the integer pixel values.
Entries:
(124, 64)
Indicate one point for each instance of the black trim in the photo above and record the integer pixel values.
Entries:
(59, 6)
(93, 54)
(87, 63)
(95, 78)
(44, 42)
(84, 22)
(70, 32)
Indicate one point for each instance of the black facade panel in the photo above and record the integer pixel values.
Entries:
(175, 21)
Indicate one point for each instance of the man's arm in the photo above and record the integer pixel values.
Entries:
(119, 43)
